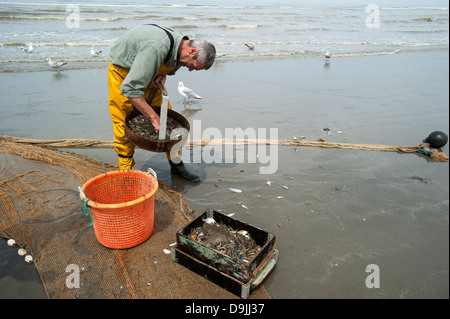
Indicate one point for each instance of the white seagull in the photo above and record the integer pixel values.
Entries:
(29, 49)
(95, 53)
(55, 64)
(327, 54)
(187, 93)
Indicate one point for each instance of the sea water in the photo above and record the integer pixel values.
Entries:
(66, 31)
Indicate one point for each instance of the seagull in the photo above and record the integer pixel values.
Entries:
(327, 54)
(187, 93)
(29, 49)
(95, 53)
(55, 64)
(250, 46)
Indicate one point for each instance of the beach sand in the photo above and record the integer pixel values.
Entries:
(343, 209)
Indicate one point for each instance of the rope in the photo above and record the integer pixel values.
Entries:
(422, 148)
(368, 147)
(61, 143)
(86, 207)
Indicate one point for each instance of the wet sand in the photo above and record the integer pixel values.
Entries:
(343, 209)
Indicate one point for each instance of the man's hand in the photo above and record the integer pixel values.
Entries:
(155, 122)
(160, 78)
(140, 104)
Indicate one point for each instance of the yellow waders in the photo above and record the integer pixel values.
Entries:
(120, 106)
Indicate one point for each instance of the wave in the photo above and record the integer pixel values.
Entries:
(92, 18)
(136, 5)
(61, 43)
(320, 54)
(278, 52)
(85, 5)
(240, 26)
(193, 18)
(281, 43)
(58, 10)
(68, 60)
(416, 8)
(205, 6)
(431, 19)
(81, 18)
(422, 31)
(328, 43)
(411, 21)
(185, 26)
(38, 65)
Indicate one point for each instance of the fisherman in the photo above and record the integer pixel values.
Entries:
(139, 60)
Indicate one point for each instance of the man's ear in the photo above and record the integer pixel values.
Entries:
(192, 51)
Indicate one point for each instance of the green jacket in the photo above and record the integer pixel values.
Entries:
(143, 49)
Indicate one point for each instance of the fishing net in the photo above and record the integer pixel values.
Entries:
(40, 208)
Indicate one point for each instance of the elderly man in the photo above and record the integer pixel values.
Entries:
(139, 60)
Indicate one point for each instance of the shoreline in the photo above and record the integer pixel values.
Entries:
(102, 63)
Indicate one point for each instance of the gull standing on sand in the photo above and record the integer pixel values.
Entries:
(55, 64)
(327, 55)
(95, 53)
(29, 49)
(187, 93)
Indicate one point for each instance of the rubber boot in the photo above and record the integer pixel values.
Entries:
(181, 171)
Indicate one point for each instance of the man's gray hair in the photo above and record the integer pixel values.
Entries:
(206, 52)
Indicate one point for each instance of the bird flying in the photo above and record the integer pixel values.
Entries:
(187, 93)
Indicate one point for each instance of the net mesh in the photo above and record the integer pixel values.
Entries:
(40, 208)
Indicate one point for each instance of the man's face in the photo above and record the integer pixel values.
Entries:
(187, 60)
